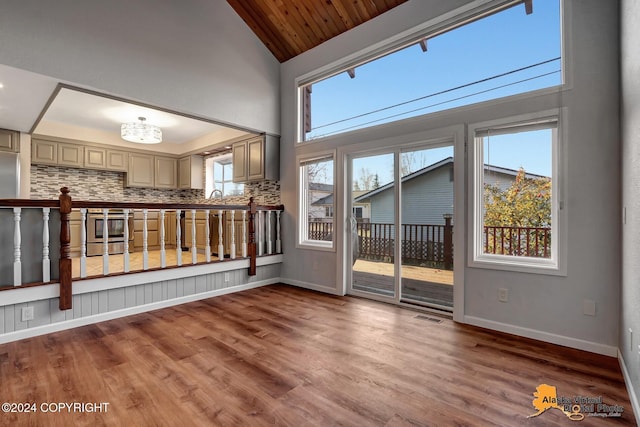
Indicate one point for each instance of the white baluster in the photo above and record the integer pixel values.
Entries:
(269, 242)
(178, 238)
(207, 237)
(105, 237)
(163, 254)
(260, 233)
(17, 242)
(46, 262)
(83, 242)
(278, 241)
(233, 235)
(220, 245)
(125, 255)
(145, 240)
(194, 249)
(244, 234)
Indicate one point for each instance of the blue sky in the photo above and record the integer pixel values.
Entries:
(500, 43)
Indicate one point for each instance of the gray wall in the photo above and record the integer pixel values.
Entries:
(552, 306)
(196, 57)
(46, 311)
(630, 71)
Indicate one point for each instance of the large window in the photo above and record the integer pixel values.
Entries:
(516, 194)
(316, 201)
(482, 55)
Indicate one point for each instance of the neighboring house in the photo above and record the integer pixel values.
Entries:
(320, 208)
(427, 194)
(361, 211)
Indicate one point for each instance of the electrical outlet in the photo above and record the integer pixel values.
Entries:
(226, 277)
(503, 295)
(27, 313)
(589, 307)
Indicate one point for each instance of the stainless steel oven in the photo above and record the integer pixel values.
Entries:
(115, 232)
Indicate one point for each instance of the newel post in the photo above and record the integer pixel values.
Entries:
(65, 250)
(252, 237)
(448, 242)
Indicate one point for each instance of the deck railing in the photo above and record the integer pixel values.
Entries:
(432, 244)
(246, 231)
(518, 241)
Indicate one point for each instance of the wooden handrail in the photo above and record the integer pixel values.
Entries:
(66, 205)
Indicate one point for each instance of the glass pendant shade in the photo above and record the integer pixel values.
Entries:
(141, 132)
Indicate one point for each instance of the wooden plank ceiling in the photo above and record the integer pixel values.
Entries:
(291, 27)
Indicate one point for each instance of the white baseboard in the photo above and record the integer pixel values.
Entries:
(82, 321)
(627, 380)
(310, 286)
(579, 344)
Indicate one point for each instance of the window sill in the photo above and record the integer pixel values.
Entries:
(518, 264)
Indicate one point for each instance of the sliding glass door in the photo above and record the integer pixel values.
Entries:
(401, 226)
(373, 230)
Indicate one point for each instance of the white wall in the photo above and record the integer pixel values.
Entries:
(630, 126)
(196, 57)
(541, 306)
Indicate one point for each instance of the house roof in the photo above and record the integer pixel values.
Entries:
(419, 172)
(289, 28)
(317, 186)
(437, 165)
(326, 200)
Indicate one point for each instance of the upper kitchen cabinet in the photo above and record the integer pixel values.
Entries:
(95, 158)
(117, 160)
(105, 159)
(190, 171)
(166, 172)
(141, 170)
(44, 152)
(9, 140)
(70, 155)
(256, 159)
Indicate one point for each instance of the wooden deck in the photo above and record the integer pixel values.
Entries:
(285, 356)
(421, 284)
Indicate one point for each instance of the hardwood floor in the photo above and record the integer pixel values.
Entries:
(280, 355)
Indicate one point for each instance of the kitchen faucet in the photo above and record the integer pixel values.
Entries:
(215, 190)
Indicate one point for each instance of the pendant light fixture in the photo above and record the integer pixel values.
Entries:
(141, 132)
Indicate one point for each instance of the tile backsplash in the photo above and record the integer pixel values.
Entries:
(95, 185)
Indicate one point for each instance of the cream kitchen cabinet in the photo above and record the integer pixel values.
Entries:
(146, 170)
(70, 155)
(44, 152)
(117, 160)
(48, 152)
(95, 158)
(141, 170)
(190, 174)
(9, 140)
(256, 159)
(166, 172)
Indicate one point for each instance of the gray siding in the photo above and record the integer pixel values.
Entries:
(47, 312)
(427, 197)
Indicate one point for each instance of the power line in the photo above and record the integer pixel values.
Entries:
(439, 93)
(436, 104)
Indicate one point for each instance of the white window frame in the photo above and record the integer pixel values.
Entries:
(456, 18)
(302, 240)
(556, 264)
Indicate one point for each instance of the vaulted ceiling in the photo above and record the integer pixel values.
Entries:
(291, 27)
